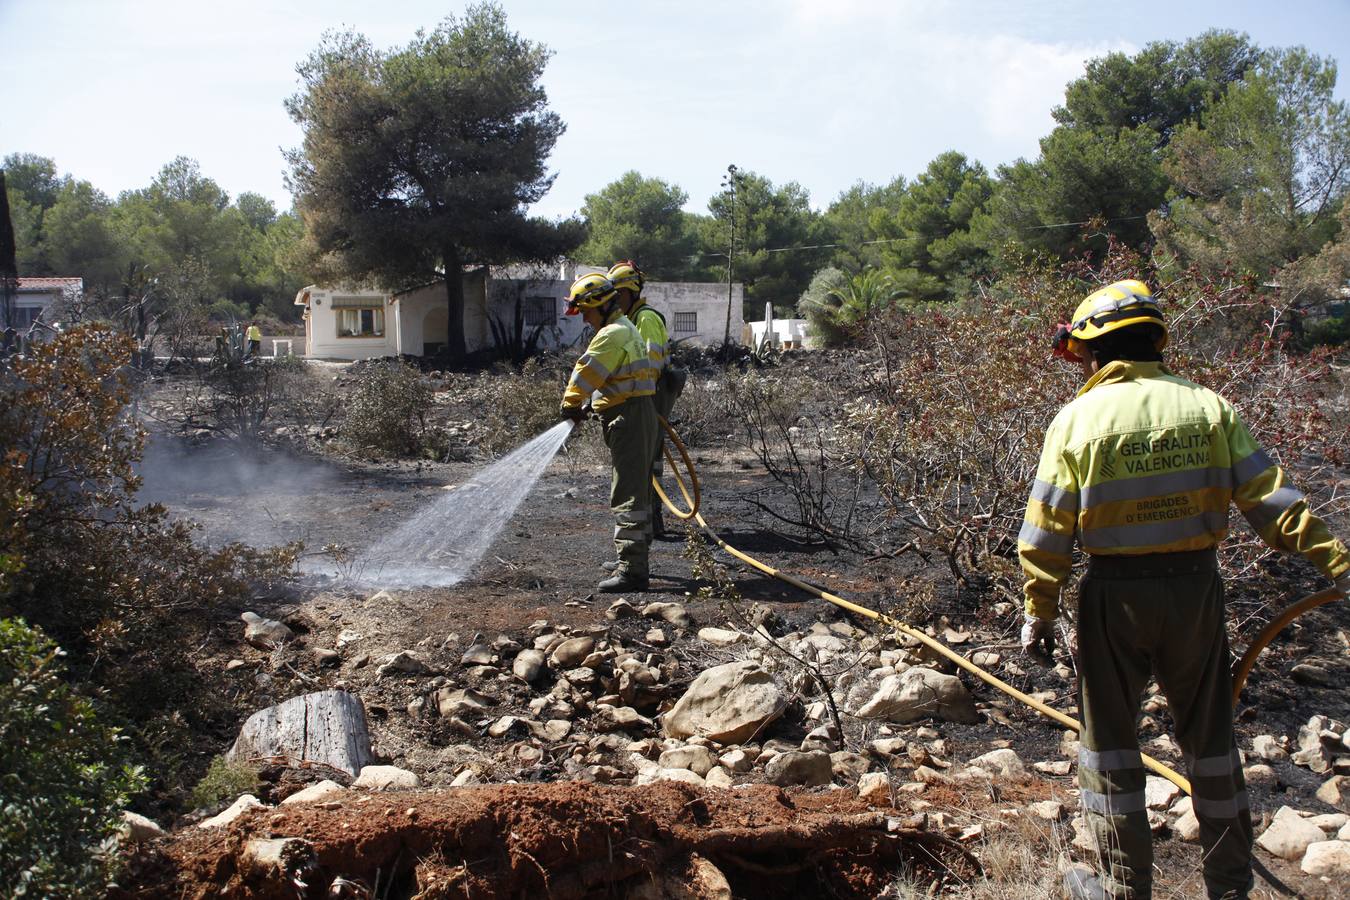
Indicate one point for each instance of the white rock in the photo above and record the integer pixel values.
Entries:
(797, 767)
(571, 652)
(737, 759)
(1003, 763)
(235, 810)
(386, 778)
(315, 792)
(720, 637)
(1050, 810)
(1187, 827)
(673, 613)
(1260, 775)
(1159, 793)
(718, 777)
(528, 665)
(1289, 834)
(137, 829)
(1344, 833)
(619, 718)
(1330, 858)
(691, 756)
(875, 787)
(404, 662)
(1330, 822)
(1331, 792)
(1053, 767)
(1268, 748)
(659, 774)
(346, 637)
(919, 693)
(728, 704)
(265, 634)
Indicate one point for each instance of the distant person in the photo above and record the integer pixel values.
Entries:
(628, 280)
(254, 337)
(1140, 470)
(615, 378)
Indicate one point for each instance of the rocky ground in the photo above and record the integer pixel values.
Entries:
(720, 735)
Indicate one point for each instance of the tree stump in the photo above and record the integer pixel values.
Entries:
(324, 727)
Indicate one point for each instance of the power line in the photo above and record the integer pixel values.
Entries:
(795, 247)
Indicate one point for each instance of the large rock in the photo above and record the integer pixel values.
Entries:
(1334, 791)
(314, 793)
(386, 778)
(699, 760)
(325, 727)
(137, 829)
(234, 811)
(1289, 834)
(571, 652)
(1330, 858)
(795, 767)
(528, 665)
(1004, 763)
(919, 693)
(266, 634)
(729, 704)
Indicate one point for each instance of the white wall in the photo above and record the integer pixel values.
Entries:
(321, 331)
(707, 302)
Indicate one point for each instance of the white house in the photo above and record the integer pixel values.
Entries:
(342, 323)
(42, 297)
(790, 334)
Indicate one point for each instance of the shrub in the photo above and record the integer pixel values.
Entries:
(111, 581)
(224, 780)
(385, 408)
(64, 778)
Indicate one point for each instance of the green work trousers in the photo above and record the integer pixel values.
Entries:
(1159, 615)
(664, 402)
(630, 433)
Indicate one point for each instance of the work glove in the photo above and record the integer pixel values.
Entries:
(576, 413)
(1038, 636)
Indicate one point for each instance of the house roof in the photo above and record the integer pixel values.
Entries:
(50, 284)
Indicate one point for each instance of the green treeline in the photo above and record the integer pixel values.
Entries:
(1213, 153)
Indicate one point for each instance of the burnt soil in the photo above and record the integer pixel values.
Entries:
(551, 836)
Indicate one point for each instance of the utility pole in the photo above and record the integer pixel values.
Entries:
(729, 183)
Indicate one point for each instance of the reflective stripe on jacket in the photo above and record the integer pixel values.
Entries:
(614, 368)
(1145, 462)
(652, 326)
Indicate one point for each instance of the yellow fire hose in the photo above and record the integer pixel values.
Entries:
(1240, 671)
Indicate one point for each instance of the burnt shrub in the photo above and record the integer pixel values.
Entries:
(120, 586)
(385, 408)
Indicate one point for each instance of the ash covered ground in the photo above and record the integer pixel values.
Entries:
(537, 787)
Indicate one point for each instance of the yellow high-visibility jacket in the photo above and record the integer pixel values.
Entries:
(614, 368)
(652, 326)
(1145, 462)
(254, 333)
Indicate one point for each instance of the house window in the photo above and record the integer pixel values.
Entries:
(686, 322)
(539, 311)
(362, 322)
(25, 316)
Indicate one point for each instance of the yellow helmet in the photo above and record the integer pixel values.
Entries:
(589, 292)
(626, 274)
(1116, 306)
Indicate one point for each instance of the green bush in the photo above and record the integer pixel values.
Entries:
(63, 775)
(224, 780)
(385, 409)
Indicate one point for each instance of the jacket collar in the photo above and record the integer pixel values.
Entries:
(613, 317)
(1122, 370)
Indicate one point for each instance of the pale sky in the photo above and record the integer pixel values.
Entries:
(822, 92)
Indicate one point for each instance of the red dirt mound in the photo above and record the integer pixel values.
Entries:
(563, 840)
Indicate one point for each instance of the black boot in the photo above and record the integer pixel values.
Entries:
(621, 582)
(1081, 884)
